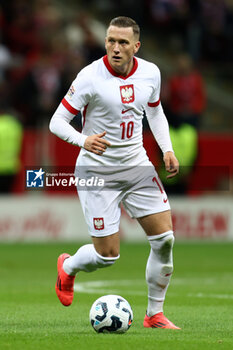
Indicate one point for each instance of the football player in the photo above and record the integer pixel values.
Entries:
(113, 94)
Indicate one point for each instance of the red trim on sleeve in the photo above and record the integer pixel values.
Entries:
(69, 107)
(154, 104)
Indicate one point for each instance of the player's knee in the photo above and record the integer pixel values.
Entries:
(165, 250)
(162, 246)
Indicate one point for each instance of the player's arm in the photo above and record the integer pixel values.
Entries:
(60, 126)
(159, 126)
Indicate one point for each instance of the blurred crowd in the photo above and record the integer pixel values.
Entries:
(43, 46)
(204, 28)
(44, 43)
(41, 51)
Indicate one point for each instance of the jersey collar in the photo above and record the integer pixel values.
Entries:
(109, 68)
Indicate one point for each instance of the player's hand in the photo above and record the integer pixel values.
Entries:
(96, 143)
(171, 164)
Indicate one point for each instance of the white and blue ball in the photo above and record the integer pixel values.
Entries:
(111, 314)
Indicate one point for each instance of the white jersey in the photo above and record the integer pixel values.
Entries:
(115, 104)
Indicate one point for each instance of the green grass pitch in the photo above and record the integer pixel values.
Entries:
(199, 299)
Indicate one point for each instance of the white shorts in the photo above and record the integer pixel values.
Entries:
(139, 189)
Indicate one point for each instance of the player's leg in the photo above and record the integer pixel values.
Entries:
(102, 253)
(159, 267)
(148, 202)
(157, 223)
(108, 246)
(103, 225)
(88, 258)
(158, 228)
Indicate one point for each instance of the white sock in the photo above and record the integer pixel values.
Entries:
(158, 270)
(86, 259)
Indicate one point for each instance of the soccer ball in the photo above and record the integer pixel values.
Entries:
(111, 314)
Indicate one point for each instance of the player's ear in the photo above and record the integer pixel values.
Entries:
(137, 46)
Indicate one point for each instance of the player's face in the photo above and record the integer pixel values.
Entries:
(121, 45)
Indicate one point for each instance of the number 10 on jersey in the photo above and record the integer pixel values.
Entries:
(127, 130)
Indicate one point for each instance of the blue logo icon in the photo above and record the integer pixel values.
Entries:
(35, 178)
